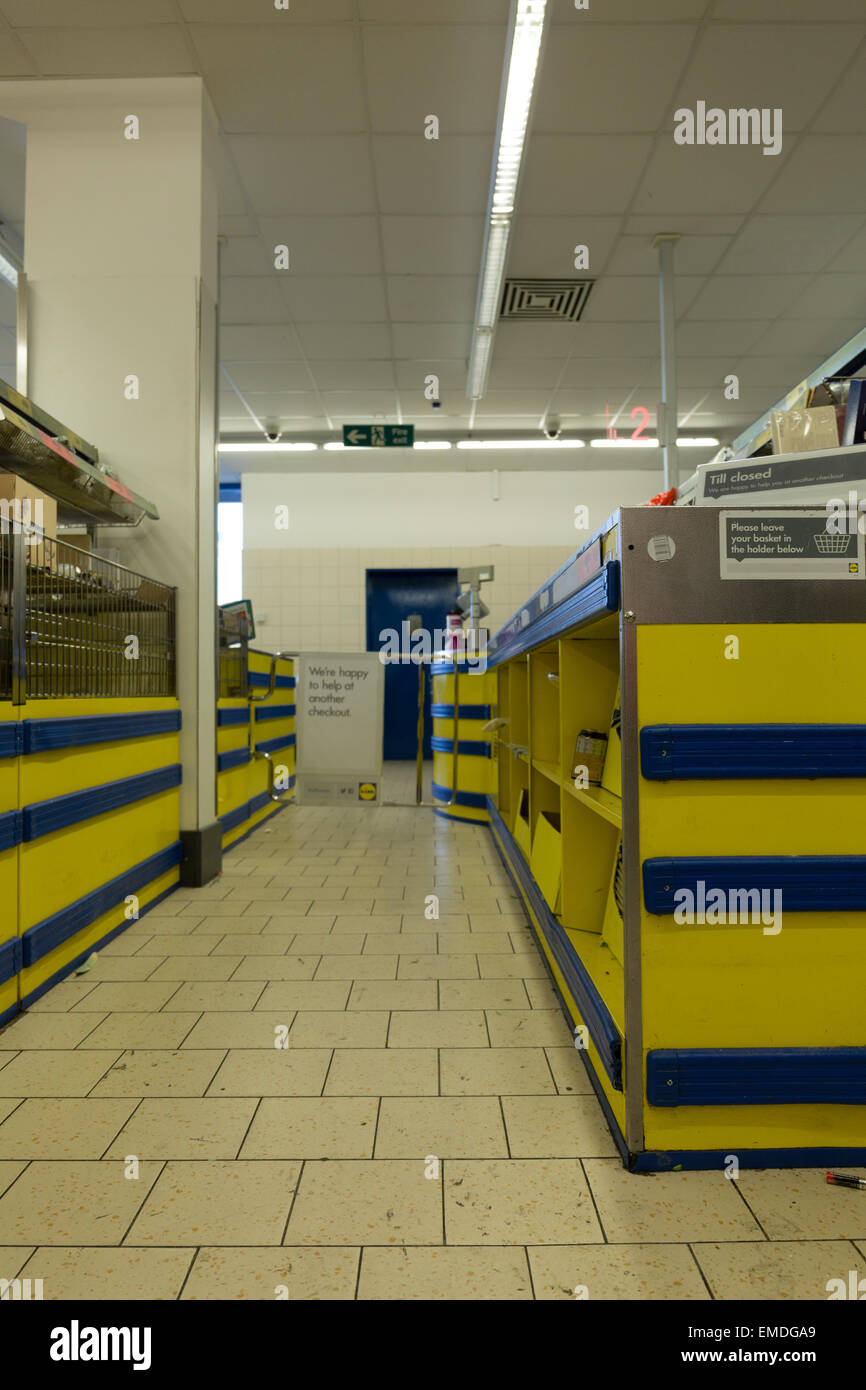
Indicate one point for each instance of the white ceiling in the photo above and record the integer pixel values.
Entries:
(322, 109)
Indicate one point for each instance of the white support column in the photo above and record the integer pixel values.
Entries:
(667, 413)
(121, 264)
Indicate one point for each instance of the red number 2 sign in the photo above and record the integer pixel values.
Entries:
(640, 410)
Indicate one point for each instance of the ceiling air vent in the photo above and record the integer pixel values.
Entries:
(545, 299)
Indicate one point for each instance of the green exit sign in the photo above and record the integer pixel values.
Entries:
(379, 436)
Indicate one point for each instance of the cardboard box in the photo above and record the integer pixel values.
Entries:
(23, 504)
(804, 431)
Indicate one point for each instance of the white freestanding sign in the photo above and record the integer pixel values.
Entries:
(340, 701)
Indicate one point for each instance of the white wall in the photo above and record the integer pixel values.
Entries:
(307, 583)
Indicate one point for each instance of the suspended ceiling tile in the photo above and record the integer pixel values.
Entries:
(822, 172)
(360, 405)
(530, 403)
(336, 341)
(251, 299)
(270, 77)
(852, 257)
(546, 245)
(86, 14)
(684, 179)
(242, 12)
(609, 374)
(411, 374)
(845, 111)
(354, 376)
(430, 340)
(234, 225)
(451, 72)
(774, 373)
(245, 256)
(157, 50)
(774, 65)
(747, 296)
(319, 176)
(258, 343)
(269, 376)
(334, 298)
(774, 245)
(612, 11)
(287, 405)
(831, 297)
(443, 12)
(713, 339)
(567, 174)
(687, 225)
(446, 176)
(432, 245)
(694, 255)
(531, 372)
(326, 245)
(793, 10)
(622, 298)
(813, 338)
(432, 298)
(584, 66)
(614, 339)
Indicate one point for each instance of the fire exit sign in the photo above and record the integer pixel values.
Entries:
(379, 436)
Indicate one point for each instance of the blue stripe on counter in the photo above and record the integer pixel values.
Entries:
(11, 829)
(274, 712)
(757, 1076)
(670, 752)
(233, 757)
(258, 678)
(60, 926)
(58, 812)
(233, 716)
(440, 711)
(466, 747)
(806, 882)
(11, 738)
(270, 745)
(476, 799)
(80, 730)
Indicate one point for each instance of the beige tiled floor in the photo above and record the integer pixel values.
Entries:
(293, 1084)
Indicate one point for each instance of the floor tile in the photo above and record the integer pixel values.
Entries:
(241, 944)
(181, 1127)
(495, 1071)
(13, 1258)
(227, 1029)
(216, 1203)
(143, 997)
(305, 994)
(482, 994)
(42, 1073)
(768, 1270)
(39, 1031)
(272, 1072)
(160, 1073)
(675, 1207)
(395, 942)
(196, 968)
(203, 997)
(442, 1126)
(294, 1273)
(416, 967)
(556, 1127)
(381, 1202)
(139, 1030)
(798, 1205)
(500, 966)
(648, 1273)
(383, 1072)
(542, 995)
(69, 1128)
(330, 1028)
(322, 1127)
(393, 994)
(73, 1202)
(447, 1272)
(518, 1202)
(170, 946)
(357, 968)
(438, 1028)
(73, 1273)
(64, 996)
(569, 1071)
(471, 942)
(527, 1028)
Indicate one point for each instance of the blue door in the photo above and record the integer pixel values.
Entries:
(392, 595)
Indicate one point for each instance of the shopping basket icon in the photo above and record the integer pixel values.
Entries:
(832, 545)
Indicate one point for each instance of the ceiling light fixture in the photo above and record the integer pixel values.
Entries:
(280, 448)
(523, 45)
(520, 444)
(645, 442)
(8, 271)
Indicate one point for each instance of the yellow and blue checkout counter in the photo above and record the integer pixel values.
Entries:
(89, 760)
(733, 773)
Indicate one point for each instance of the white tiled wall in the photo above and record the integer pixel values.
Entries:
(315, 600)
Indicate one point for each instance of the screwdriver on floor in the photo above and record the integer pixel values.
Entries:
(845, 1180)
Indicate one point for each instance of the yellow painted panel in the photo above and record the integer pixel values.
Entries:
(233, 787)
(35, 975)
(57, 869)
(8, 995)
(734, 1128)
(57, 771)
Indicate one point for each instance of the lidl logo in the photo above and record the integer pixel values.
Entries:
(367, 791)
(853, 567)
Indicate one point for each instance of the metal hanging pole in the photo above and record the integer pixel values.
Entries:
(667, 412)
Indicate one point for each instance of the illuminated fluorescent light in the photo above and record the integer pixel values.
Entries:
(627, 443)
(366, 449)
(527, 28)
(278, 447)
(705, 443)
(520, 444)
(432, 444)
